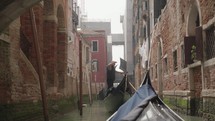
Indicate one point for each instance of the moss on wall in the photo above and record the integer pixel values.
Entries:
(208, 109)
(179, 104)
(29, 111)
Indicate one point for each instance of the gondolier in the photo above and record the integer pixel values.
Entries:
(111, 74)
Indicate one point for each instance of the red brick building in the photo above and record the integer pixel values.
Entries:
(55, 22)
(99, 55)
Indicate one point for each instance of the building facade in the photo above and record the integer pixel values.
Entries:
(98, 50)
(181, 53)
(37, 48)
(128, 41)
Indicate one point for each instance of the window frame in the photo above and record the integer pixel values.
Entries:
(97, 46)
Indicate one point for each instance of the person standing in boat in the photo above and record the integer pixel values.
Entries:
(111, 69)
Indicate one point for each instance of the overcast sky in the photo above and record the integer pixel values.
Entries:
(106, 9)
(110, 10)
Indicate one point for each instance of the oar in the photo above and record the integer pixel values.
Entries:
(132, 86)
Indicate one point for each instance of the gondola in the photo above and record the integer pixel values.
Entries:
(116, 96)
(145, 105)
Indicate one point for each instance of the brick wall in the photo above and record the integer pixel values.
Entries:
(19, 88)
(170, 30)
(101, 56)
(5, 74)
(27, 30)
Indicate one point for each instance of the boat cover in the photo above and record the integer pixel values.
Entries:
(145, 105)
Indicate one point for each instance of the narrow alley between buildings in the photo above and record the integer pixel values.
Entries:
(97, 60)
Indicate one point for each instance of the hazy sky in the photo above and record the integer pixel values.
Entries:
(106, 9)
(111, 10)
(117, 53)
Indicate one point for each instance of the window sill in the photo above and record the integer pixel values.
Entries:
(193, 65)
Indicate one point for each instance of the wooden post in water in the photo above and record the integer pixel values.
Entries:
(40, 65)
(80, 75)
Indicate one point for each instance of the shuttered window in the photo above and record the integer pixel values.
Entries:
(199, 43)
(188, 43)
(182, 56)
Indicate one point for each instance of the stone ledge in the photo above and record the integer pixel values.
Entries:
(5, 38)
(210, 62)
(193, 65)
(208, 93)
(177, 93)
(184, 70)
(210, 23)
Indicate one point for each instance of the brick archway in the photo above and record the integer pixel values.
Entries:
(193, 19)
(61, 48)
(50, 46)
(194, 22)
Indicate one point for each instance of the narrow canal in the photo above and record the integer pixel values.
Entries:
(191, 118)
(97, 112)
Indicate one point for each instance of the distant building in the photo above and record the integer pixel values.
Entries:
(99, 55)
(100, 24)
(126, 21)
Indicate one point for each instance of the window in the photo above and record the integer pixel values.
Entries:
(210, 43)
(165, 64)
(94, 65)
(182, 56)
(156, 71)
(175, 60)
(158, 6)
(95, 46)
(87, 54)
(151, 73)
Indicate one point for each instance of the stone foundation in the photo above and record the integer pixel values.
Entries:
(33, 111)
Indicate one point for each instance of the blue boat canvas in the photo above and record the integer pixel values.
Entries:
(144, 105)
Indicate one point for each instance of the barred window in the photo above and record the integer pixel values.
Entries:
(165, 64)
(175, 63)
(210, 43)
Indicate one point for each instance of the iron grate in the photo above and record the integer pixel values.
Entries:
(210, 43)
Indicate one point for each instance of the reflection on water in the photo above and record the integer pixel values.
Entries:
(191, 118)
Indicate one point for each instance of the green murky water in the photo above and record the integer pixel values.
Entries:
(96, 112)
(191, 118)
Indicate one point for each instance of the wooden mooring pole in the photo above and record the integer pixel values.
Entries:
(80, 76)
(40, 65)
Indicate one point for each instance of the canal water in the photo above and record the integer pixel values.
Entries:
(98, 112)
(191, 118)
